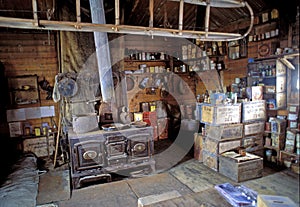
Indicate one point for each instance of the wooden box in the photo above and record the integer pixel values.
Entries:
(210, 160)
(278, 125)
(198, 147)
(278, 140)
(270, 89)
(241, 168)
(290, 141)
(217, 147)
(254, 111)
(220, 114)
(253, 142)
(23, 89)
(40, 146)
(223, 132)
(293, 108)
(274, 201)
(254, 128)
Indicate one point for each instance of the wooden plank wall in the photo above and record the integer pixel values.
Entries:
(30, 53)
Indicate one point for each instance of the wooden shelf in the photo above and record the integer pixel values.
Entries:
(125, 60)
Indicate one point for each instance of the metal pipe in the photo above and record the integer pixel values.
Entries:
(251, 23)
(151, 8)
(117, 12)
(102, 52)
(217, 3)
(180, 24)
(207, 15)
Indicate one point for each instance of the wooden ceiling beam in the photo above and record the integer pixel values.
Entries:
(111, 28)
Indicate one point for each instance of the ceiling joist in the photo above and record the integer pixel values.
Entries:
(135, 30)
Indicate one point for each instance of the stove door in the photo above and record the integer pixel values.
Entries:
(139, 146)
(89, 154)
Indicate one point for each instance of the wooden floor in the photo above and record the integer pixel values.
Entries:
(192, 180)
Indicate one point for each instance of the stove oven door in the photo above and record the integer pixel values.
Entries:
(139, 146)
(89, 154)
(116, 146)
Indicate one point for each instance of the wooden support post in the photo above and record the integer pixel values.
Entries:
(207, 15)
(151, 7)
(35, 16)
(117, 12)
(78, 15)
(180, 24)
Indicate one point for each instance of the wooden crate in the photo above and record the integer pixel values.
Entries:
(278, 125)
(222, 132)
(198, 147)
(253, 142)
(211, 160)
(40, 146)
(290, 141)
(254, 111)
(254, 128)
(220, 114)
(278, 140)
(274, 200)
(242, 168)
(217, 147)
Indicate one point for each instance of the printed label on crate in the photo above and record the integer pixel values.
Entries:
(232, 131)
(228, 114)
(254, 110)
(207, 114)
(254, 128)
(292, 117)
(221, 114)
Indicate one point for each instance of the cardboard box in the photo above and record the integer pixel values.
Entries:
(15, 129)
(274, 201)
(257, 93)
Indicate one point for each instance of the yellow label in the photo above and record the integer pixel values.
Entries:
(37, 131)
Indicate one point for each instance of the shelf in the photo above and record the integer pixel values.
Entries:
(266, 77)
(272, 148)
(146, 60)
(289, 153)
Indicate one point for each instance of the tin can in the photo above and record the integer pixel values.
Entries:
(203, 132)
(145, 106)
(267, 126)
(152, 106)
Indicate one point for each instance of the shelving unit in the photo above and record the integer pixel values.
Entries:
(271, 74)
(23, 90)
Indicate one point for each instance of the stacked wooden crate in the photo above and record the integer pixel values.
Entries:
(253, 118)
(223, 131)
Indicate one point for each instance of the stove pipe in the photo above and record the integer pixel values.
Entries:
(102, 52)
(104, 65)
